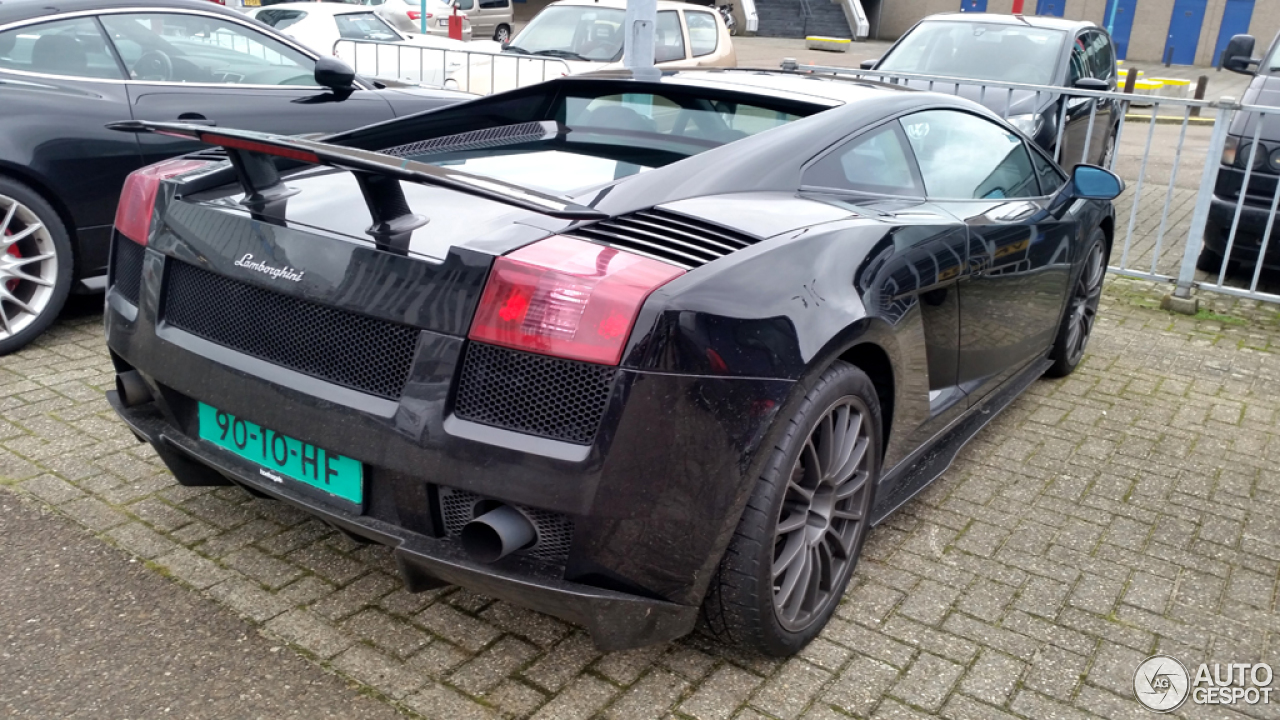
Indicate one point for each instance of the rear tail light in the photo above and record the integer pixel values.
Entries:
(567, 298)
(138, 199)
(417, 15)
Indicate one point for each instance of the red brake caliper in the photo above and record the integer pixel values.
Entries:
(12, 284)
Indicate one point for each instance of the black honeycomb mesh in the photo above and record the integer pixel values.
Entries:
(126, 268)
(534, 394)
(360, 352)
(554, 531)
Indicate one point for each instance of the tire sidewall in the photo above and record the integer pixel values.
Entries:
(836, 382)
(62, 246)
(1062, 362)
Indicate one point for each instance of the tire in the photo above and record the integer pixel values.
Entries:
(35, 270)
(502, 33)
(747, 603)
(1108, 151)
(1209, 261)
(1082, 308)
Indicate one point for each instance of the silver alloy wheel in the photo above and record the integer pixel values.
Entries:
(28, 267)
(502, 34)
(821, 515)
(1084, 303)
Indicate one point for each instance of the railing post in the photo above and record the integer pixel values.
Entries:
(1181, 300)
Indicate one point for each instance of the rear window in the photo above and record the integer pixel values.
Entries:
(280, 19)
(707, 123)
(364, 26)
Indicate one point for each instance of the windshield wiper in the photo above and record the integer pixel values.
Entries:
(516, 49)
(565, 54)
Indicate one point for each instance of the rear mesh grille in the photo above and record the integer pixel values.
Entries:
(667, 236)
(126, 268)
(554, 531)
(534, 394)
(369, 355)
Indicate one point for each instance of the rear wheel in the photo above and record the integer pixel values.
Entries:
(35, 265)
(799, 538)
(502, 34)
(1082, 309)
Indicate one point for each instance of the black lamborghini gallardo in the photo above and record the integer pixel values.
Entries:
(628, 352)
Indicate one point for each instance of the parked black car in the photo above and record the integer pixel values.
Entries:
(1044, 51)
(70, 67)
(729, 321)
(1255, 213)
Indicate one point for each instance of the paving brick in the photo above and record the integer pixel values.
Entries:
(457, 627)
(375, 669)
(438, 701)
(861, 685)
(271, 572)
(584, 698)
(557, 668)
(927, 682)
(394, 636)
(651, 697)
(492, 666)
(992, 677)
(192, 569)
(721, 694)
(52, 489)
(1056, 672)
(310, 632)
(141, 540)
(541, 630)
(248, 599)
(789, 691)
(930, 602)
(516, 698)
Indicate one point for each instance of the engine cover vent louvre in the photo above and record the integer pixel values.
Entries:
(667, 236)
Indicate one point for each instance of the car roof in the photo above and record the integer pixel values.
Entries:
(18, 10)
(320, 8)
(622, 4)
(1037, 21)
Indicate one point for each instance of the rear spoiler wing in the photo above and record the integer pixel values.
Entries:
(379, 176)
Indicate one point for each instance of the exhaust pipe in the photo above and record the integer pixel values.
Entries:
(132, 389)
(497, 534)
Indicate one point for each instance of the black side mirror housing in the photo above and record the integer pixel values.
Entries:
(1238, 57)
(868, 64)
(335, 75)
(1092, 83)
(1091, 182)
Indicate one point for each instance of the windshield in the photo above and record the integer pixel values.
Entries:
(1003, 53)
(577, 32)
(365, 26)
(1272, 62)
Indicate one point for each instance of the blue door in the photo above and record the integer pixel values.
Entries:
(973, 5)
(1050, 7)
(1118, 19)
(1235, 21)
(1184, 31)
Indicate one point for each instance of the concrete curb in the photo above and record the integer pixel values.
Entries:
(1167, 119)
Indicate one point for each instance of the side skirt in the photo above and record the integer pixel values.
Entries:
(927, 464)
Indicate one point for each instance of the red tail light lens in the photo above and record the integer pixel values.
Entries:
(417, 15)
(138, 199)
(567, 298)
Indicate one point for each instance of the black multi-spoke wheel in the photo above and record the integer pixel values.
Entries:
(799, 538)
(35, 265)
(1082, 308)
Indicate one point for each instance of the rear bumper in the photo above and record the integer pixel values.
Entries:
(615, 620)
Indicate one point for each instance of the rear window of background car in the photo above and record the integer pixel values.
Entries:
(704, 34)
(364, 26)
(280, 19)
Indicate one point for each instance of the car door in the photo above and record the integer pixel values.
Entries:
(60, 86)
(911, 274)
(1019, 239)
(670, 49)
(213, 70)
(704, 37)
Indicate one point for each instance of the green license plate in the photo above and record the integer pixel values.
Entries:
(280, 455)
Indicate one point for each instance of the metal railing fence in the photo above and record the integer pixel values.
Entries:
(473, 71)
(1174, 195)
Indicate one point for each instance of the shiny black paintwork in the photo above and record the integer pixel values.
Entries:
(916, 292)
(1047, 104)
(53, 134)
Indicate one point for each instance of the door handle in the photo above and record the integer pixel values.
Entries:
(196, 119)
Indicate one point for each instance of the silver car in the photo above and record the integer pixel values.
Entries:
(408, 16)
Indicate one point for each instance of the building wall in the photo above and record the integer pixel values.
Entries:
(1147, 40)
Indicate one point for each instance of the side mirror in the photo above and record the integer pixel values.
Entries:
(1091, 83)
(869, 64)
(335, 75)
(1238, 57)
(1091, 182)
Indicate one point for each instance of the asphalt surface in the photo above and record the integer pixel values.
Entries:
(89, 634)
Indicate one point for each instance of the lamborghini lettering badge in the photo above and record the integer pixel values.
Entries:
(285, 272)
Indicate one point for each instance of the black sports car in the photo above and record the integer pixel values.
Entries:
(70, 67)
(611, 349)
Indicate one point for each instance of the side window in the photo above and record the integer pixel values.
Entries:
(173, 47)
(667, 37)
(963, 156)
(494, 4)
(876, 162)
(74, 48)
(1079, 66)
(1051, 178)
(704, 34)
(1103, 62)
(465, 5)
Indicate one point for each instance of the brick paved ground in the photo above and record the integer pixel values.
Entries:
(1129, 509)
